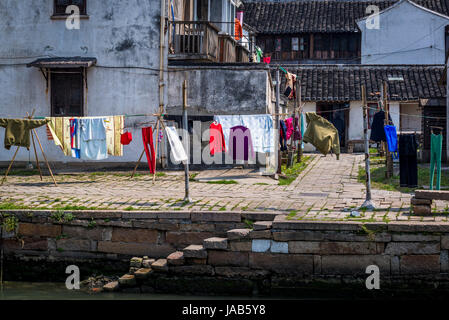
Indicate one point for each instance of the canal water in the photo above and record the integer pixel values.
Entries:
(58, 291)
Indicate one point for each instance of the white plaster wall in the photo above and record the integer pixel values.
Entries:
(118, 33)
(355, 130)
(406, 35)
(410, 117)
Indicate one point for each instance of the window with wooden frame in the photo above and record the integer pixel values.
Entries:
(67, 92)
(60, 6)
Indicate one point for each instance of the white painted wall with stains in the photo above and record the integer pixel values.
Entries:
(119, 33)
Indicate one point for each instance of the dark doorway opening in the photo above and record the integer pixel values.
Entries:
(338, 115)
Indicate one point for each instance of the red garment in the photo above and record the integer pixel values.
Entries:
(216, 140)
(126, 138)
(238, 30)
(266, 60)
(289, 124)
(147, 136)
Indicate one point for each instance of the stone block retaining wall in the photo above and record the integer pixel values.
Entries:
(220, 248)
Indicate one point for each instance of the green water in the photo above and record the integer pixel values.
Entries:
(58, 291)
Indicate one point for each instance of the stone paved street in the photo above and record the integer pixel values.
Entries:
(326, 190)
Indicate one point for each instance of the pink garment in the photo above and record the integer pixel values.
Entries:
(266, 60)
(289, 124)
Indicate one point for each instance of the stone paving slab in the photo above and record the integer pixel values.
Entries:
(326, 190)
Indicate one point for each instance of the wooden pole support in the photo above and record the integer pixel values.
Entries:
(10, 165)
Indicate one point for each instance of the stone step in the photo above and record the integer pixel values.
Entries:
(136, 262)
(195, 251)
(146, 263)
(175, 258)
(262, 225)
(142, 273)
(160, 265)
(238, 234)
(127, 280)
(432, 194)
(111, 286)
(216, 243)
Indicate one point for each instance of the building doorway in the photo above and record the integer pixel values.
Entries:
(338, 115)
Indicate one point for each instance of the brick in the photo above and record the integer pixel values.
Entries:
(280, 222)
(244, 246)
(39, 230)
(135, 235)
(195, 251)
(142, 273)
(184, 215)
(197, 227)
(176, 258)
(282, 263)
(260, 245)
(395, 265)
(160, 265)
(422, 209)
(73, 245)
(138, 249)
(194, 270)
(303, 247)
(228, 258)
(128, 280)
(156, 225)
(262, 225)
(85, 233)
(139, 215)
(240, 272)
(444, 261)
(304, 235)
(444, 242)
(226, 226)
(279, 247)
(432, 194)
(238, 234)
(193, 261)
(416, 201)
(420, 264)
(414, 237)
(264, 234)
(354, 264)
(259, 216)
(186, 238)
(348, 248)
(316, 264)
(216, 216)
(216, 243)
(12, 245)
(402, 248)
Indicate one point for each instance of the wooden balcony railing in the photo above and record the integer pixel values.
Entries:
(193, 40)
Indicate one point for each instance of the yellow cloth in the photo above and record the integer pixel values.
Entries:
(60, 130)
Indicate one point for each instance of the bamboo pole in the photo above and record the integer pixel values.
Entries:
(389, 160)
(278, 149)
(34, 145)
(45, 158)
(138, 162)
(298, 97)
(157, 145)
(367, 204)
(186, 139)
(10, 165)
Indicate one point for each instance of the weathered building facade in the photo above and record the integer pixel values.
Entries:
(111, 64)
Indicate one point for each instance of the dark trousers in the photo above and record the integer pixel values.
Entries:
(408, 164)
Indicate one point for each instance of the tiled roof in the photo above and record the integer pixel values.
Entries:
(318, 15)
(343, 82)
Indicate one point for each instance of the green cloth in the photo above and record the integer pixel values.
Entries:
(18, 131)
(436, 146)
(322, 134)
(259, 54)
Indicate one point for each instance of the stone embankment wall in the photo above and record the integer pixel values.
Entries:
(220, 252)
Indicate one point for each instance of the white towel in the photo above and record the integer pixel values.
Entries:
(176, 145)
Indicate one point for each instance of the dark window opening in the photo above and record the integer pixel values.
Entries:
(446, 40)
(67, 92)
(61, 6)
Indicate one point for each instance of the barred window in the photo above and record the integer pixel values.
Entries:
(61, 6)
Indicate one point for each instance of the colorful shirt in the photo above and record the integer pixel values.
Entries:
(216, 140)
(240, 143)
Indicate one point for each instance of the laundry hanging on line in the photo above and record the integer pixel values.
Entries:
(283, 135)
(290, 86)
(377, 127)
(408, 164)
(322, 134)
(179, 154)
(217, 142)
(240, 143)
(147, 138)
(260, 125)
(93, 142)
(59, 128)
(436, 146)
(18, 131)
(392, 140)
